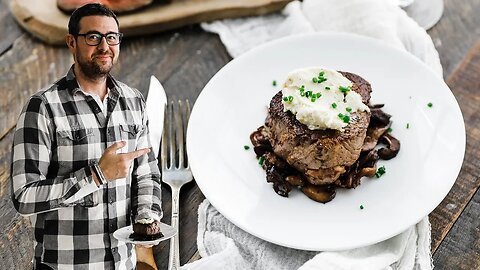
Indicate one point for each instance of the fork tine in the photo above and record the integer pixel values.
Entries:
(171, 136)
(180, 134)
(164, 149)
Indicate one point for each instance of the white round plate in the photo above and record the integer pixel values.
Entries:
(123, 234)
(234, 103)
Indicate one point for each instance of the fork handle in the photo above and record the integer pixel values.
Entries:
(174, 258)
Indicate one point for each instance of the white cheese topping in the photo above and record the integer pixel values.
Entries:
(145, 221)
(321, 98)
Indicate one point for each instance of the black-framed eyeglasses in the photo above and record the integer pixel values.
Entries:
(95, 38)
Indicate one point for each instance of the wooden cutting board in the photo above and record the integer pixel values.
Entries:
(44, 20)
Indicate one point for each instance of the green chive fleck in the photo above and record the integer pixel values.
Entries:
(246, 147)
(326, 87)
(285, 99)
(361, 206)
(389, 130)
(334, 105)
(380, 171)
(430, 104)
(319, 94)
(290, 98)
(315, 80)
(313, 99)
(261, 160)
(302, 94)
(348, 109)
(408, 125)
(344, 89)
(321, 73)
(274, 83)
(346, 119)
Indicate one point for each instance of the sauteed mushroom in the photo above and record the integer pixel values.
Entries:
(393, 146)
(321, 194)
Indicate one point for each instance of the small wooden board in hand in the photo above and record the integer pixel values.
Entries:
(44, 20)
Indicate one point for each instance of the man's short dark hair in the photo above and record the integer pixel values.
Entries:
(88, 10)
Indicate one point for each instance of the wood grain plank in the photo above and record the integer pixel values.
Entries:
(16, 239)
(456, 32)
(25, 69)
(461, 248)
(10, 30)
(465, 84)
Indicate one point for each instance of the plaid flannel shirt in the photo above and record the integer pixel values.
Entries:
(60, 134)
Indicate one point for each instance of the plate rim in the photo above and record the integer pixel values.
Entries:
(149, 242)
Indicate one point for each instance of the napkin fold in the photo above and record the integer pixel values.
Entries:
(221, 244)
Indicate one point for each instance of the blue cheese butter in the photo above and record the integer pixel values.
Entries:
(321, 98)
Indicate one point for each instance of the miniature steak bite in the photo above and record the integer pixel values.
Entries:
(146, 229)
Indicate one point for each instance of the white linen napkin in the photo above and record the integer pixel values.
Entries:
(221, 244)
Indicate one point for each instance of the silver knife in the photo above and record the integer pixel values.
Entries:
(156, 102)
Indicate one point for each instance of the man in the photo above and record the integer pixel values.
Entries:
(82, 165)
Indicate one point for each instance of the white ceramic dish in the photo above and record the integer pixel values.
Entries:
(123, 234)
(234, 103)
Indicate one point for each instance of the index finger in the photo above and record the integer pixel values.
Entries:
(137, 153)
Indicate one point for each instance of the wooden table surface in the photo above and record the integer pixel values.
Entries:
(184, 60)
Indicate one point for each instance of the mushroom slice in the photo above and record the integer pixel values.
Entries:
(259, 139)
(373, 134)
(321, 194)
(393, 146)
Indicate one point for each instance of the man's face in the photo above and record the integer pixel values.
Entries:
(95, 61)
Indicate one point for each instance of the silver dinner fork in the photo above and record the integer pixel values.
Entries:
(175, 168)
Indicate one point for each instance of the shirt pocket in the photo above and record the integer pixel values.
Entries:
(74, 152)
(130, 134)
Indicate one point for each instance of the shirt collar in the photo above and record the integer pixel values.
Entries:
(73, 87)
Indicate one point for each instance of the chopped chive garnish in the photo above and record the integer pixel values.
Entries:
(345, 118)
(313, 99)
(321, 73)
(326, 87)
(319, 94)
(285, 99)
(430, 104)
(389, 130)
(380, 171)
(408, 125)
(348, 109)
(344, 89)
(302, 94)
(321, 79)
(261, 160)
(334, 105)
(274, 83)
(315, 80)
(361, 206)
(246, 147)
(290, 98)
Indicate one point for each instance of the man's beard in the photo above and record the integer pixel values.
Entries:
(91, 69)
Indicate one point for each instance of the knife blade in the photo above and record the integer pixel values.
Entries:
(156, 102)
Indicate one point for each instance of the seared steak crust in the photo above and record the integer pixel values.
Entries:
(321, 155)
